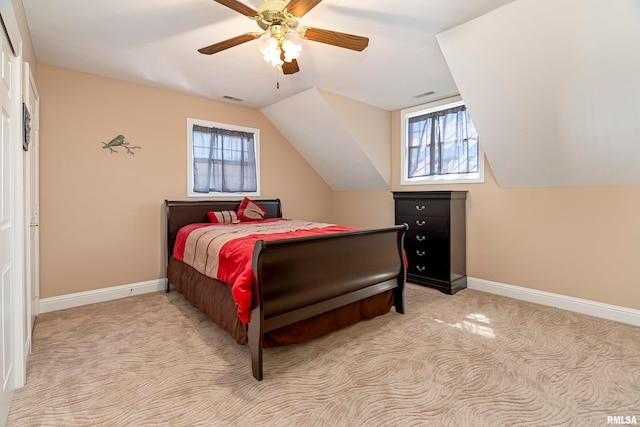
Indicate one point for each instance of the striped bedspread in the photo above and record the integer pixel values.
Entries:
(224, 251)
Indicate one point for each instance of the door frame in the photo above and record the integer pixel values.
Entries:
(18, 377)
(31, 209)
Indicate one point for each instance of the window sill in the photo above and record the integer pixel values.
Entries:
(456, 179)
(222, 195)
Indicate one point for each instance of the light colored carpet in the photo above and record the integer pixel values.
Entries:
(472, 359)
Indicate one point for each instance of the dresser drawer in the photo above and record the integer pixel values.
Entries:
(436, 250)
(426, 255)
(424, 224)
(420, 208)
(423, 238)
(436, 268)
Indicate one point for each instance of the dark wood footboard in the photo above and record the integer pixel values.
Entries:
(300, 278)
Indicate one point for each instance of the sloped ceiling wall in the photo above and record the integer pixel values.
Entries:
(345, 141)
(553, 87)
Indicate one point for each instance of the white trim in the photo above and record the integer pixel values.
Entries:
(578, 305)
(27, 350)
(100, 295)
(18, 291)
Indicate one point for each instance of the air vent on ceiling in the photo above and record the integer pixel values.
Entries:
(422, 95)
(233, 98)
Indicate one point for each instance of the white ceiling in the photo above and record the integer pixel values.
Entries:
(344, 159)
(155, 43)
(553, 88)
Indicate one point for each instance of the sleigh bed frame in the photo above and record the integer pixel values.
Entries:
(297, 279)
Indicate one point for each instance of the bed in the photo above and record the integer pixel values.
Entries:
(302, 287)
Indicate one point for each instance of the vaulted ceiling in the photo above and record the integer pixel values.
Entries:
(348, 147)
(156, 42)
(553, 86)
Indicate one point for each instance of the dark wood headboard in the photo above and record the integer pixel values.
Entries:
(184, 212)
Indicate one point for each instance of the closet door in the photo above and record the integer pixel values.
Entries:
(9, 268)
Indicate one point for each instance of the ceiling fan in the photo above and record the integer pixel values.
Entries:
(277, 18)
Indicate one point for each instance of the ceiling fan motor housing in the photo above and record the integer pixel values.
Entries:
(272, 5)
(273, 13)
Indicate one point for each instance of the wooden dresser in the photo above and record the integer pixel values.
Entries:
(435, 243)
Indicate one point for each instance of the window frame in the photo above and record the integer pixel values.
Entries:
(405, 115)
(215, 194)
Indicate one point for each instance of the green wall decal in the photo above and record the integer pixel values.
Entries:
(119, 141)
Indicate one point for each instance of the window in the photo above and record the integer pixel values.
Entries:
(440, 145)
(223, 160)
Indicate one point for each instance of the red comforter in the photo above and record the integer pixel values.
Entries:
(224, 251)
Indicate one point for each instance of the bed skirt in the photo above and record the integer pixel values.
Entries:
(214, 298)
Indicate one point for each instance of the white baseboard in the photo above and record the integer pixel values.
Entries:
(27, 353)
(99, 295)
(578, 305)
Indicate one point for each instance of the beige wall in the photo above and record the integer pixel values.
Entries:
(102, 214)
(367, 209)
(577, 241)
(581, 242)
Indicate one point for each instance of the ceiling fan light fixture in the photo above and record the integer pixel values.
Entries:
(271, 51)
(291, 50)
(278, 50)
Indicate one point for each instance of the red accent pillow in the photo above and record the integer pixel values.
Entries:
(222, 217)
(250, 210)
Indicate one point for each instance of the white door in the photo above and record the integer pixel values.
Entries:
(8, 231)
(31, 198)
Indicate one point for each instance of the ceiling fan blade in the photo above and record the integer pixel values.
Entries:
(290, 67)
(215, 48)
(347, 41)
(300, 7)
(238, 7)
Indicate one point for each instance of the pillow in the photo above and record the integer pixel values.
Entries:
(222, 217)
(250, 210)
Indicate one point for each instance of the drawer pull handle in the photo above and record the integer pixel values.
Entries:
(420, 208)
(420, 267)
(421, 238)
(420, 253)
(420, 223)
